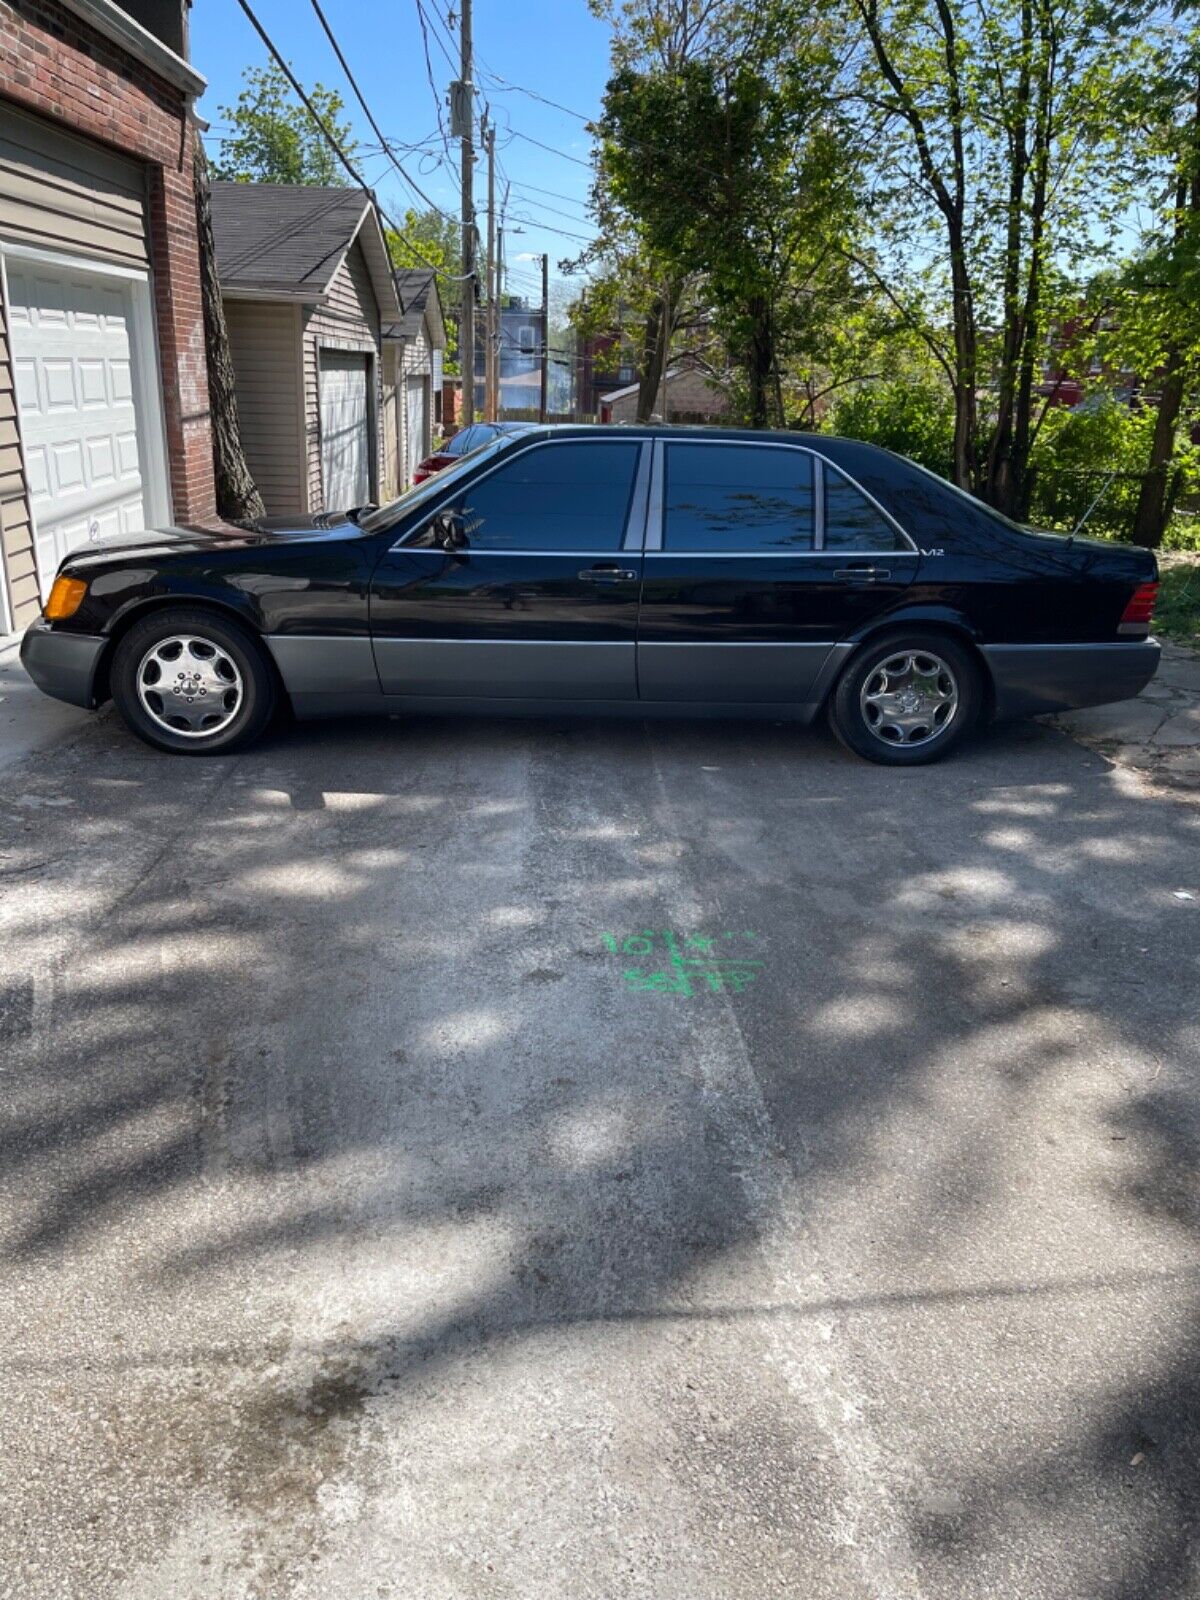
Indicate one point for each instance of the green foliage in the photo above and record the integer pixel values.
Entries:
(433, 239)
(1098, 449)
(275, 140)
(914, 417)
(734, 170)
(1178, 610)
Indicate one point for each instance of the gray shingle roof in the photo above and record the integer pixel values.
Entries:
(412, 285)
(281, 236)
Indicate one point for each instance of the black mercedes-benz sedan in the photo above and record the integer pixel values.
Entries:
(642, 571)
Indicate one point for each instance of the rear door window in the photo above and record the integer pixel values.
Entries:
(737, 499)
(852, 523)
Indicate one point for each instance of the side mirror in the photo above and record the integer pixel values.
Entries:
(450, 530)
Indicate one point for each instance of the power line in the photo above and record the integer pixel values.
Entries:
(504, 86)
(333, 143)
(562, 154)
(437, 99)
(379, 134)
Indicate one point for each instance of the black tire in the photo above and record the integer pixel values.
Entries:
(245, 695)
(853, 725)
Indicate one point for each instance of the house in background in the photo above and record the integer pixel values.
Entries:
(413, 351)
(308, 290)
(520, 368)
(104, 410)
(687, 393)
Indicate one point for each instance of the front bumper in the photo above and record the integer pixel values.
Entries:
(63, 665)
(1030, 679)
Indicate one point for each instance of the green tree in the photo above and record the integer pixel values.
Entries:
(275, 140)
(730, 169)
(997, 151)
(432, 238)
(1153, 303)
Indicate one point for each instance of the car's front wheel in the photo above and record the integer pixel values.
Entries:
(907, 699)
(188, 681)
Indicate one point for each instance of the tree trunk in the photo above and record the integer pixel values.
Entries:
(238, 500)
(760, 361)
(656, 339)
(965, 409)
(1155, 497)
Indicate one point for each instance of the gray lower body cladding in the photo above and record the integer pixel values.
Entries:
(1030, 679)
(63, 665)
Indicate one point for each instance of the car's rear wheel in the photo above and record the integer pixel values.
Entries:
(191, 682)
(907, 699)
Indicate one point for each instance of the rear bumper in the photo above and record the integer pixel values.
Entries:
(63, 665)
(1032, 678)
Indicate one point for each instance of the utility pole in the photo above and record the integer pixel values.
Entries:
(491, 362)
(466, 331)
(545, 337)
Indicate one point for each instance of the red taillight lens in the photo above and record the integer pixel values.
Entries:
(1136, 616)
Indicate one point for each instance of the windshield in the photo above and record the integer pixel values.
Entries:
(384, 516)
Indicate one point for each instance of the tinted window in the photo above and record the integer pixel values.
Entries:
(851, 521)
(738, 497)
(464, 441)
(554, 497)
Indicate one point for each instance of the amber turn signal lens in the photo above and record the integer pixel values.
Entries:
(66, 597)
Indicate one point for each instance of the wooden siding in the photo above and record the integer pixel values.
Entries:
(16, 530)
(416, 361)
(347, 319)
(264, 340)
(63, 193)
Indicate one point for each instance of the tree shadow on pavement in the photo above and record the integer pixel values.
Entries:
(319, 1058)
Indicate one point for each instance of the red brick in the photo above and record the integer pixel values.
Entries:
(54, 64)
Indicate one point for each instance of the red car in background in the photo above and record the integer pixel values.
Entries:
(464, 441)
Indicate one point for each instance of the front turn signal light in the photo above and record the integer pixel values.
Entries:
(66, 597)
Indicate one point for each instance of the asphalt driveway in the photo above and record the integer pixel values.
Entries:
(464, 1159)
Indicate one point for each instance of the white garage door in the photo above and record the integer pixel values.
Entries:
(73, 355)
(345, 430)
(418, 424)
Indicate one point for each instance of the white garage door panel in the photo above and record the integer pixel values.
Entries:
(345, 430)
(73, 364)
(418, 445)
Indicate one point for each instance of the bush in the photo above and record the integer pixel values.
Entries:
(915, 418)
(1101, 449)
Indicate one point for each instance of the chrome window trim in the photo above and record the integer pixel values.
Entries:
(654, 513)
(785, 555)
(538, 444)
(654, 534)
(635, 518)
(554, 555)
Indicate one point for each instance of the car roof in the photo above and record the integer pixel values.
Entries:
(844, 452)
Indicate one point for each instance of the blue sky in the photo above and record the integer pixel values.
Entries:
(554, 47)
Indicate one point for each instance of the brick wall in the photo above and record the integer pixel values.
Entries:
(51, 63)
(691, 397)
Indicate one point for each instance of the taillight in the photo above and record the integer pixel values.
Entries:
(1135, 619)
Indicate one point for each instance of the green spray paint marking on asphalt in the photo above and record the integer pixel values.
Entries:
(696, 963)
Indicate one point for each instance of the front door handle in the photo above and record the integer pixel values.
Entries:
(608, 573)
(861, 574)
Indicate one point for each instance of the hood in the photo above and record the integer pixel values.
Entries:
(184, 538)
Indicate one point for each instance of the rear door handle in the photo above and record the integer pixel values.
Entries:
(608, 573)
(861, 574)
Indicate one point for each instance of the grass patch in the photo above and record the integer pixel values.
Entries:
(1177, 614)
